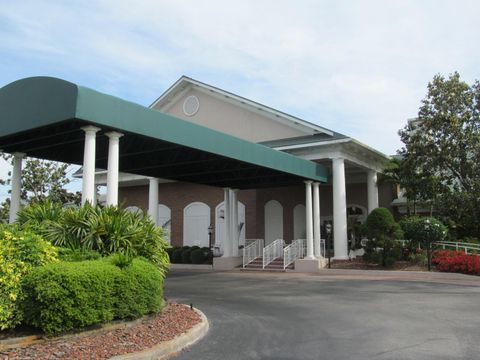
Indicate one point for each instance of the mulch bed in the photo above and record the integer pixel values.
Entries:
(359, 264)
(174, 320)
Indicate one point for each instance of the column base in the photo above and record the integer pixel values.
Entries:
(310, 265)
(227, 263)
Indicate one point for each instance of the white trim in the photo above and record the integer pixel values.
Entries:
(318, 143)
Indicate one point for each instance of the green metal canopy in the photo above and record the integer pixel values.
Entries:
(43, 116)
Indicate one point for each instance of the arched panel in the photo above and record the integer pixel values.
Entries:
(196, 220)
(273, 221)
(165, 220)
(220, 224)
(299, 222)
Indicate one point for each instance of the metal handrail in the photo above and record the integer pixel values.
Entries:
(272, 251)
(252, 250)
(293, 252)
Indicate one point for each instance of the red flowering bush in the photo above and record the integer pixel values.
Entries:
(456, 261)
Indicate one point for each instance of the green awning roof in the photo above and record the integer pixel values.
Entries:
(42, 116)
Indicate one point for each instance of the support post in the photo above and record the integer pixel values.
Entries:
(372, 190)
(339, 210)
(16, 186)
(113, 163)
(227, 246)
(316, 219)
(88, 183)
(309, 217)
(153, 199)
(234, 223)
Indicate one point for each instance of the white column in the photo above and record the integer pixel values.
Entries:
(308, 215)
(16, 186)
(316, 219)
(88, 185)
(227, 245)
(153, 199)
(113, 161)
(339, 210)
(234, 222)
(372, 190)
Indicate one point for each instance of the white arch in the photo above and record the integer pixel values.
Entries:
(133, 209)
(220, 224)
(273, 221)
(165, 220)
(299, 222)
(196, 220)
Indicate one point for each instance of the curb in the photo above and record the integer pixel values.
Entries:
(165, 349)
(21, 341)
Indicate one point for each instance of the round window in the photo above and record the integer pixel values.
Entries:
(191, 105)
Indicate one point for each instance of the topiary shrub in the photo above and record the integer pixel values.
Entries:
(208, 255)
(177, 255)
(186, 255)
(68, 296)
(138, 291)
(20, 251)
(197, 256)
(382, 231)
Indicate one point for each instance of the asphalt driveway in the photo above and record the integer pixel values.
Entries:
(291, 316)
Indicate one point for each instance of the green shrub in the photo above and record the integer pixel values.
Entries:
(197, 256)
(20, 251)
(66, 254)
(186, 255)
(418, 258)
(177, 256)
(382, 231)
(138, 291)
(389, 261)
(208, 255)
(68, 296)
(107, 230)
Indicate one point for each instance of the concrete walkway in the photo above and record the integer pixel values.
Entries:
(337, 314)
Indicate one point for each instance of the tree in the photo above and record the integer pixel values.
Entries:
(382, 231)
(42, 180)
(443, 147)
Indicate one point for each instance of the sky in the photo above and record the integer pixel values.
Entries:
(360, 68)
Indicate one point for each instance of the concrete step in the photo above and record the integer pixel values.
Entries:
(275, 265)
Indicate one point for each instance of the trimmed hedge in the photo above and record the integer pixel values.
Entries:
(68, 296)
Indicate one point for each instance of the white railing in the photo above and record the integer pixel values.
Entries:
(466, 247)
(322, 247)
(293, 252)
(323, 253)
(272, 251)
(252, 250)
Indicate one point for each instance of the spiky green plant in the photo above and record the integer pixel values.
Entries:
(107, 230)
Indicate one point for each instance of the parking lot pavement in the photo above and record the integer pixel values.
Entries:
(334, 315)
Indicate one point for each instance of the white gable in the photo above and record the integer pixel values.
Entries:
(217, 109)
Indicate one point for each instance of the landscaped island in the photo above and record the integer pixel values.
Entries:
(65, 269)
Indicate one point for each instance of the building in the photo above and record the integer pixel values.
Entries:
(194, 214)
(210, 166)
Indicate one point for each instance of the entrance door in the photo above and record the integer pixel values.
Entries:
(220, 225)
(273, 221)
(196, 220)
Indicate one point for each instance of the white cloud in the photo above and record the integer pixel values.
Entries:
(358, 67)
